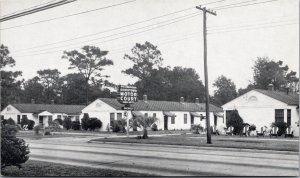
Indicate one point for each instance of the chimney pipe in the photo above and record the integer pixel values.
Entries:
(197, 100)
(52, 101)
(145, 98)
(32, 101)
(271, 87)
(181, 100)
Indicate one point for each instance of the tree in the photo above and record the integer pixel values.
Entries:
(268, 71)
(10, 86)
(51, 82)
(234, 120)
(33, 90)
(171, 84)
(89, 63)
(144, 122)
(85, 121)
(14, 152)
(145, 58)
(226, 90)
(67, 123)
(95, 123)
(73, 90)
(5, 58)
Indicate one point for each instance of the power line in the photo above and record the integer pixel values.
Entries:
(84, 12)
(38, 9)
(162, 22)
(265, 23)
(120, 36)
(235, 3)
(272, 26)
(27, 8)
(216, 8)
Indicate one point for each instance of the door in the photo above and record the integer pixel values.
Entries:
(165, 122)
(41, 121)
(192, 120)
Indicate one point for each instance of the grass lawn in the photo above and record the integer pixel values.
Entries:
(217, 141)
(39, 168)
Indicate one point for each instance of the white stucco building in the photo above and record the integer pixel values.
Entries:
(41, 113)
(171, 115)
(263, 107)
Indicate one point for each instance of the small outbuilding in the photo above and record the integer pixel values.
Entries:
(264, 107)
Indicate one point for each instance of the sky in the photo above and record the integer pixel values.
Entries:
(236, 36)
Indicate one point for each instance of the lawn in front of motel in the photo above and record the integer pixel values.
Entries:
(35, 168)
(260, 143)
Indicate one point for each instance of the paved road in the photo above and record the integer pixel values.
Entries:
(164, 160)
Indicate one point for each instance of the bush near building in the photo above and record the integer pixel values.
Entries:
(236, 122)
(282, 126)
(76, 125)
(10, 121)
(30, 124)
(85, 121)
(24, 121)
(59, 120)
(94, 123)
(67, 123)
(252, 127)
(14, 152)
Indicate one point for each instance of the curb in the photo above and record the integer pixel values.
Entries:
(203, 147)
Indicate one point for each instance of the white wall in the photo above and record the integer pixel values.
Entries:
(260, 111)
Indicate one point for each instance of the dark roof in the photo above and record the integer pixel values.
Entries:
(290, 99)
(151, 105)
(52, 108)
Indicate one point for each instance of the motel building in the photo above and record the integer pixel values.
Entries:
(41, 113)
(171, 115)
(263, 107)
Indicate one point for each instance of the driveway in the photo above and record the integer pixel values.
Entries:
(164, 160)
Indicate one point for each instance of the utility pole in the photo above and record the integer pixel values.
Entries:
(208, 131)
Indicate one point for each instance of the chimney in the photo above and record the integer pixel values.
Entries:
(271, 87)
(197, 101)
(52, 101)
(181, 100)
(145, 98)
(32, 101)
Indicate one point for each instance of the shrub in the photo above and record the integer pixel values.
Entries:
(95, 123)
(282, 126)
(3, 121)
(85, 121)
(196, 128)
(154, 127)
(236, 122)
(47, 131)
(30, 124)
(14, 152)
(67, 123)
(54, 126)
(24, 121)
(76, 125)
(115, 127)
(59, 121)
(252, 127)
(10, 121)
(107, 128)
(37, 129)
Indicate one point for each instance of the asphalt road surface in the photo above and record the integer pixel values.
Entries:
(165, 160)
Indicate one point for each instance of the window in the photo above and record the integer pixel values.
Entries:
(154, 115)
(146, 114)
(2, 117)
(58, 116)
(8, 108)
(279, 115)
(185, 118)
(215, 120)
(77, 118)
(172, 120)
(50, 119)
(24, 116)
(18, 119)
(119, 115)
(112, 118)
(288, 117)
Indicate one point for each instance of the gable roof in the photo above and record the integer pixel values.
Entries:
(290, 99)
(52, 108)
(152, 105)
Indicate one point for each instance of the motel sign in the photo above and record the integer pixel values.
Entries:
(127, 94)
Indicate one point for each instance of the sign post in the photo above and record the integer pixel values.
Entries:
(127, 95)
